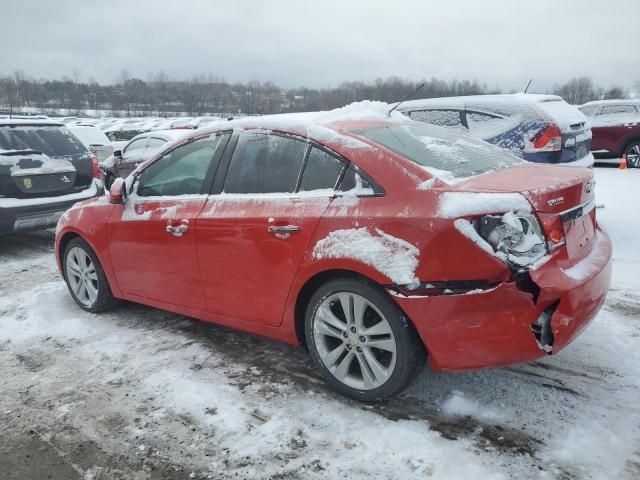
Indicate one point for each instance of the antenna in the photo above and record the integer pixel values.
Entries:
(405, 99)
(528, 84)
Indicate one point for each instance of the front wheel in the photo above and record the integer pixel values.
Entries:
(633, 154)
(361, 341)
(85, 277)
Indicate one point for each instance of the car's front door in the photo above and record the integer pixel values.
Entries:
(131, 156)
(152, 238)
(254, 232)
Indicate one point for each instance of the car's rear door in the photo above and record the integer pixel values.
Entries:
(256, 226)
(152, 238)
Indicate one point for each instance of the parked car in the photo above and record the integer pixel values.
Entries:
(124, 129)
(141, 147)
(616, 130)
(538, 128)
(355, 233)
(94, 139)
(44, 169)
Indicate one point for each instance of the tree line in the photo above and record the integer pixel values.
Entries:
(208, 94)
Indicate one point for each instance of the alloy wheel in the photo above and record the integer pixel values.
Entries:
(82, 276)
(633, 156)
(354, 340)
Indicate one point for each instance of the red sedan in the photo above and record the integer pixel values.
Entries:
(374, 240)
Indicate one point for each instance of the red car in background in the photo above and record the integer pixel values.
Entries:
(616, 129)
(373, 239)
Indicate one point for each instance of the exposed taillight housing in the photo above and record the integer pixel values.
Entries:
(95, 167)
(554, 230)
(548, 139)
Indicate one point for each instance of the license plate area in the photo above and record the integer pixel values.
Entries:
(579, 229)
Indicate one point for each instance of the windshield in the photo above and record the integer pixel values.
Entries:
(51, 140)
(440, 149)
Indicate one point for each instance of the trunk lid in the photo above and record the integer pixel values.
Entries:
(562, 197)
(27, 172)
(549, 188)
(575, 130)
(41, 158)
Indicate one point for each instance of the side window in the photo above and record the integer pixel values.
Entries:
(589, 111)
(443, 118)
(181, 171)
(608, 109)
(156, 143)
(354, 182)
(485, 126)
(264, 163)
(322, 171)
(133, 151)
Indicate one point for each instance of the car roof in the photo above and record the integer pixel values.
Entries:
(621, 101)
(461, 102)
(329, 127)
(23, 121)
(173, 134)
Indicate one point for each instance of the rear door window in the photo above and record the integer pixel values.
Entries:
(322, 171)
(441, 117)
(265, 163)
(609, 109)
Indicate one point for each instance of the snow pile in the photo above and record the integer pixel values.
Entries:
(457, 404)
(461, 204)
(391, 256)
(33, 163)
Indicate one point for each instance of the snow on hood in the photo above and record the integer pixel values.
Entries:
(393, 257)
(33, 163)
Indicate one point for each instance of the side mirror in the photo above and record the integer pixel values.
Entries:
(118, 191)
(117, 153)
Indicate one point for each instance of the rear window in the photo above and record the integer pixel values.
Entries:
(51, 140)
(437, 148)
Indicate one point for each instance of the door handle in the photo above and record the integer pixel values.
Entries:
(283, 229)
(178, 230)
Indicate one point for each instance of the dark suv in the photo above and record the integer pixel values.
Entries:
(44, 170)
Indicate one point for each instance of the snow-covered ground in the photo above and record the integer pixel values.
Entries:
(140, 393)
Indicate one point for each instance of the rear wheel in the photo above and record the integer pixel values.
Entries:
(633, 154)
(85, 277)
(361, 341)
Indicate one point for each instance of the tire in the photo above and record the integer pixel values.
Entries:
(344, 356)
(81, 265)
(632, 151)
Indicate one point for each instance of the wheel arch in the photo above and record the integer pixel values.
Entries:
(632, 139)
(315, 281)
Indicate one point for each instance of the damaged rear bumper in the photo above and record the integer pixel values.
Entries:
(509, 324)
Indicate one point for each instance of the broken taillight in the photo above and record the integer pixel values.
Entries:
(553, 228)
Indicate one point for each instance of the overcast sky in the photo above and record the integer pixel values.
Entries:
(323, 42)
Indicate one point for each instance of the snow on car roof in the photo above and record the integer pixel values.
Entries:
(173, 134)
(322, 125)
(510, 98)
(621, 101)
(23, 121)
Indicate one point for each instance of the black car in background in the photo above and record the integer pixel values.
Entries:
(44, 169)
